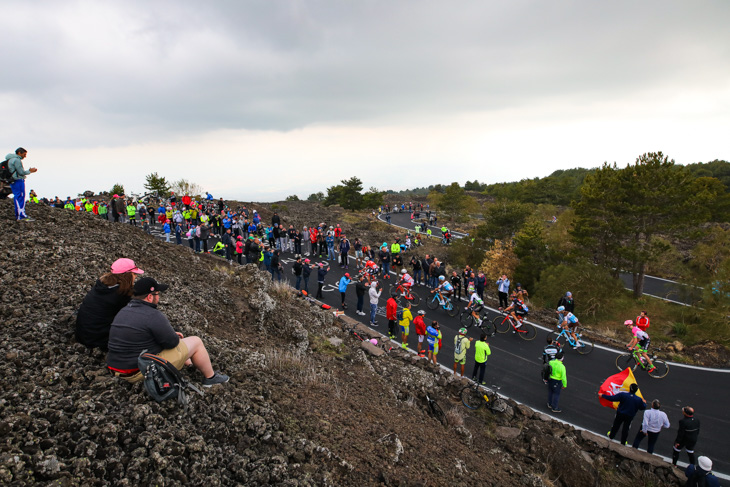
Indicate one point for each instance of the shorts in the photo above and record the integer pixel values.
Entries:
(358, 254)
(521, 313)
(420, 338)
(404, 329)
(432, 345)
(176, 356)
(477, 308)
(461, 360)
(645, 343)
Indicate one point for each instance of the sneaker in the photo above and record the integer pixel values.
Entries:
(558, 410)
(651, 370)
(404, 345)
(483, 383)
(549, 407)
(217, 378)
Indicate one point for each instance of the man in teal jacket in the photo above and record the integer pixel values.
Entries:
(18, 174)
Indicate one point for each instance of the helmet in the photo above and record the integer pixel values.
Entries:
(421, 312)
(441, 278)
(374, 341)
(403, 271)
(561, 308)
(628, 322)
(462, 331)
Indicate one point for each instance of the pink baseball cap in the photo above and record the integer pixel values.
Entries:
(120, 266)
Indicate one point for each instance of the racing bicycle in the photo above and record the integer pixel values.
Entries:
(581, 345)
(467, 320)
(503, 323)
(474, 397)
(451, 309)
(633, 358)
(403, 294)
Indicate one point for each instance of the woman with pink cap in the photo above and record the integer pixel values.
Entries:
(111, 293)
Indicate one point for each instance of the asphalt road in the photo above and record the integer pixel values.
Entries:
(514, 367)
(653, 286)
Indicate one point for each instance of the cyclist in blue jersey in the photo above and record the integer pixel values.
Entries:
(569, 321)
(445, 290)
(517, 308)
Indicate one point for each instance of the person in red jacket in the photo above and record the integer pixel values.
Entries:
(420, 328)
(391, 314)
(313, 240)
(642, 321)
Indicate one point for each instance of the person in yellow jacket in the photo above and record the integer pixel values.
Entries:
(404, 324)
(132, 213)
(395, 248)
(69, 205)
(89, 206)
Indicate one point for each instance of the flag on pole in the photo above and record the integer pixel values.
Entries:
(617, 383)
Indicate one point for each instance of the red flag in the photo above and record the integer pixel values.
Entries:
(186, 200)
(617, 383)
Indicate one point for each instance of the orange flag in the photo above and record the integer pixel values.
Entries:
(617, 383)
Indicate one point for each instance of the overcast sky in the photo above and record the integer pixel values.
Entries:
(257, 100)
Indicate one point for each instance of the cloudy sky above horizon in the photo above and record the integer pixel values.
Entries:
(257, 100)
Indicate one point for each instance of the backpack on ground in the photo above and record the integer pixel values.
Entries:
(162, 380)
(547, 370)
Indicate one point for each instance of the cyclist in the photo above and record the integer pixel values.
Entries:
(569, 321)
(370, 270)
(444, 289)
(551, 350)
(476, 304)
(406, 281)
(517, 308)
(640, 342)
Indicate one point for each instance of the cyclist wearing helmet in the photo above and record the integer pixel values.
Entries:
(420, 328)
(405, 279)
(476, 304)
(517, 308)
(370, 270)
(444, 290)
(640, 341)
(569, 321)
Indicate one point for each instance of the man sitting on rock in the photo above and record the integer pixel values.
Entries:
(141, 326)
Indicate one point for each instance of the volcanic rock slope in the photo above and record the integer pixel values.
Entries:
(305, 404)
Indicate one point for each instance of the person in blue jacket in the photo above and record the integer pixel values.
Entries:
(629, 405)
(320, 278)
(344, 281)
(166, 229)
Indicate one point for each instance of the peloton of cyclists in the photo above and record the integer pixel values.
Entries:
(445, 290)
(569, 321)
(640, 341)
(517, 308)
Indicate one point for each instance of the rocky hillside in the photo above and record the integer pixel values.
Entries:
(306, 405)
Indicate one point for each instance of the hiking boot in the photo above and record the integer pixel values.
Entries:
(217, 378)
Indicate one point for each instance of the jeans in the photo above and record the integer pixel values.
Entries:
(386, 269)
(360, 300)
(306, 285)
(554, 389)
(299, 282)
(373, 310)
(417, 276)
(652, 440)
(18, 188)
(167, 237)
(178, 238)
(330, 253)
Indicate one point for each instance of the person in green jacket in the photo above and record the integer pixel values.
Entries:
(481, 354)
(132, 213)
(103, 211)
(461, 345)
(557, 381)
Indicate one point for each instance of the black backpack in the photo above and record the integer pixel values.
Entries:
(547, 369)
(5, 173)
(162, 379)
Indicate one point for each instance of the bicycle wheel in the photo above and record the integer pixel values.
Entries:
(472, 397)
(661, 369)
(487, 328)
(584, 346)
(501, 324)
(415, 299)
(452, 309)
(466, 319)
(625, 360)
(527, 331)
(437, 412)
(393, 290)
(433, 302)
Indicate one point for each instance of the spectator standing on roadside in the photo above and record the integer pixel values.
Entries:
(461, 345)
(306, 272)
(391, 314)
(425, 266)
(700, 475)
(417, 269)
(481, 283)
(321, 273)
(298, 268)
(405, 324)
(227, 241)
(567, 302)
(374, 295)
(420, 328)
(330, 239)
(17, 185)
(344, 251)
(384, 257)
(456, 282)
(276, 265)
(360, 289)
(642, 321)
(344, 282)
(433, 337)
(557, 381)
(166, 229)
(629, 405)
(503, 289)
(651, 426)
(481, 354)
(687, 434)
(114, 207)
